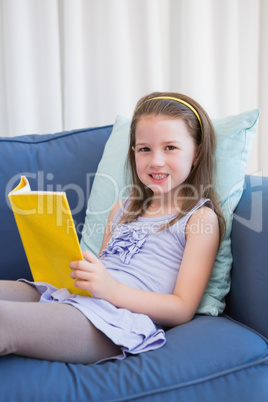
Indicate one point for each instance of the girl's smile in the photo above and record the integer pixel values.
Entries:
(159, 177)
(164, 152)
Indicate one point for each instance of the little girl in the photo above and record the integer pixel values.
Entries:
(156, 257)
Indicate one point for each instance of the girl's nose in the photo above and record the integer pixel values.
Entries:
(158, 159)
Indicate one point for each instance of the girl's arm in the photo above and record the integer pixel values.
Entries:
(202, 235)
(108, 229)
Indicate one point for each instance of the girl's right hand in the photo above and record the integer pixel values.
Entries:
(91, 275)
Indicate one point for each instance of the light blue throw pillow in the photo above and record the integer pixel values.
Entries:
(234, 136)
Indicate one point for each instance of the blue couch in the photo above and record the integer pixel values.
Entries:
(221, 358)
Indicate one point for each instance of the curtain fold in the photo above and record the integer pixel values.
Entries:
(30, 67)
(68, 64)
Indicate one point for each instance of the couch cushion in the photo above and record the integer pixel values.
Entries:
(206, 360)
(64, 161)
(248, 298)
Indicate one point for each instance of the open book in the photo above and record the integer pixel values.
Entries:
(48, 234)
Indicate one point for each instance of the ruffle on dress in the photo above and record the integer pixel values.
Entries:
(126, 242)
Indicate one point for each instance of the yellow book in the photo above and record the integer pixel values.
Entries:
(48, 234)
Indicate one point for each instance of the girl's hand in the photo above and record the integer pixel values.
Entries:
(92, 275)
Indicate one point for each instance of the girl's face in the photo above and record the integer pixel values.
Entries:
(164, 153)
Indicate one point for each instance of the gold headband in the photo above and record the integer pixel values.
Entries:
(184, 103)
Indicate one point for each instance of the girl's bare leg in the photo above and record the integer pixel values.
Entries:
(18, 291)
(51, 331)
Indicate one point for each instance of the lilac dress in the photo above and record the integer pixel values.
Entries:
(128, 258)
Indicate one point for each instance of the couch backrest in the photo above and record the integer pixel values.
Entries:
(248, 298)
(64, 161)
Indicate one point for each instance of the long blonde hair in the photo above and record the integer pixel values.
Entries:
(200, 179)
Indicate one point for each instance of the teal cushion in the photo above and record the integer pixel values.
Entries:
(234, 136)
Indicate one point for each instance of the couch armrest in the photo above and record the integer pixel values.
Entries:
(248, 298)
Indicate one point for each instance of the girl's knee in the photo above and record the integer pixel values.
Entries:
(18, 291)
(3, 313)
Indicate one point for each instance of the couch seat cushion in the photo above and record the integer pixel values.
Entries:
(207, 359)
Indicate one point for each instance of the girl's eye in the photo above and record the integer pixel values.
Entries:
(144, 149)
(170, 147)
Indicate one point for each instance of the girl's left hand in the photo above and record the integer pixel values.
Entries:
(92, 275)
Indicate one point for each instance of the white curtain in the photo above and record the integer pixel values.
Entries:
(67, 64)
